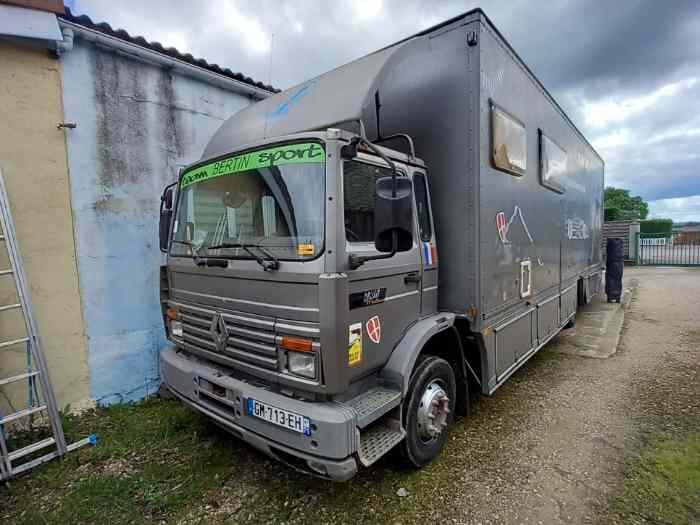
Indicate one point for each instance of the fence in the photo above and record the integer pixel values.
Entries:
(625, 230)
(667, 249)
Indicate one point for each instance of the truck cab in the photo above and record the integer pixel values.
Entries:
(295, 266)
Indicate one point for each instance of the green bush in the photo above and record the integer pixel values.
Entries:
(656, 226)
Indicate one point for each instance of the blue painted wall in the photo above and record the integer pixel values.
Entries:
(137, 124)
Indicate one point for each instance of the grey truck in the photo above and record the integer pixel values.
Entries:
(356, 258)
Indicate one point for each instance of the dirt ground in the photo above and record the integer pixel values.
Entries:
(557, 444)
(563, 461)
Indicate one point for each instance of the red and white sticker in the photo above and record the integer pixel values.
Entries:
(374, 329)
(502, 226)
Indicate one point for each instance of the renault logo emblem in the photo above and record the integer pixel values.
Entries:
(219, 332)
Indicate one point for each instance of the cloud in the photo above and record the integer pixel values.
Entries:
(627, 73)
(680, 210)
(602, 113)
(366, 9)
(247, 28)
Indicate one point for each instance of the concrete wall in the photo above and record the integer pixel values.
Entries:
(33, 163)
(137, 124)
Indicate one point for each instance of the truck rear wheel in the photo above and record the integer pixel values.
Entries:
(428, 410)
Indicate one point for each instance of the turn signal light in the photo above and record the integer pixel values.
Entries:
(297, 344)
(173, 314)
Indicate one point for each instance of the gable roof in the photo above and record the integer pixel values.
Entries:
(105, 28)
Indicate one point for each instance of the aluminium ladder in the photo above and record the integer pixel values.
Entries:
(37, 371)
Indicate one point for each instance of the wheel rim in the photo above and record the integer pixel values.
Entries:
(433, 409)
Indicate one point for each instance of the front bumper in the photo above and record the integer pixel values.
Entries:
(328, 452)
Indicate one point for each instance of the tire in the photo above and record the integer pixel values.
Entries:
(434, 372)
(571, 322)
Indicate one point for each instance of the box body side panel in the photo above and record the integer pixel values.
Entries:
(559, 233)
(431, 93)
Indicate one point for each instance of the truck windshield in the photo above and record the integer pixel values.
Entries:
(270, 200)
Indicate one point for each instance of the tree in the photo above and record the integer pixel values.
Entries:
(619, 204)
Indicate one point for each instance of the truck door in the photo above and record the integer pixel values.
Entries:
(384, 294)
(426, 240)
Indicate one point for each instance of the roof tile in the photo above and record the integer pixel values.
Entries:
(104, 27)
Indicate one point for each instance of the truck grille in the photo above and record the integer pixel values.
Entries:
(244, 339)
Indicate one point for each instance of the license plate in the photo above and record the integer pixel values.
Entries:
(279, 416)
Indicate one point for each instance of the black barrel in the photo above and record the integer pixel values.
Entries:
(616, 249)
(613, 269)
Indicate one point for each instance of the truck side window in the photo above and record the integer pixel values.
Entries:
(508, 142)
(422, 207)
(358, 190)
(552, 164)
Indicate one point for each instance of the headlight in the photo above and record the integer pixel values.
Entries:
(302, 364)
(176, 328)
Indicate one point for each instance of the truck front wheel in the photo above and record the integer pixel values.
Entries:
(428, 409)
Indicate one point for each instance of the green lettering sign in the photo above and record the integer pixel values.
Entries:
(308, 152)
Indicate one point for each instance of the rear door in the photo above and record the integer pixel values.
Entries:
(384, 294)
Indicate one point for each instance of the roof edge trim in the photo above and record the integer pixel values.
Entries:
(153, 56)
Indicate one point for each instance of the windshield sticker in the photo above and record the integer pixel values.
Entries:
(310, 152)
(306, 250)
(354, 344)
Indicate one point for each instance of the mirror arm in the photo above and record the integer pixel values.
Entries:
(358, 260)
(169, 211)
(165, 190)
(386, 159)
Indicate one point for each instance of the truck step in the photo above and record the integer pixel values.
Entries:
(379, 439)
(373, 404)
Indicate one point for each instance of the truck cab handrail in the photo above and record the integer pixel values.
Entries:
(404, 136)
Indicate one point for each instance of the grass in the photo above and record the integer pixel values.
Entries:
(153, 459)
(160, 462)
(662, 483)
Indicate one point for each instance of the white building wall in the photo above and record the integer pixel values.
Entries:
(137, 124)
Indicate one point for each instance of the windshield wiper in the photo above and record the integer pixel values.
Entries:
(268, 263)
(195, 247)
(198, 259)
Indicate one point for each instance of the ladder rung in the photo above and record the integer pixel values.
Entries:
(18, 377)
(51, 455)
(6, 272)
(21, 413)
(16, 454)
(10, 307)
(14, 342)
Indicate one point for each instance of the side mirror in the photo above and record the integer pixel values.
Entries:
(167, 199)
(393, 215)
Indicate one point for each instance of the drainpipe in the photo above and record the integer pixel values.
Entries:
(148, 55)
(65, 45)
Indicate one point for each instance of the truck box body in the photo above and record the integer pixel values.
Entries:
(440, 92)
(516, 195)
(438, 87)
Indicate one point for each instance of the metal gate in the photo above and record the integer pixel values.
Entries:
(668, 249)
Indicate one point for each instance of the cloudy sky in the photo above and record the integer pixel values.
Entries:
(626, 72)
